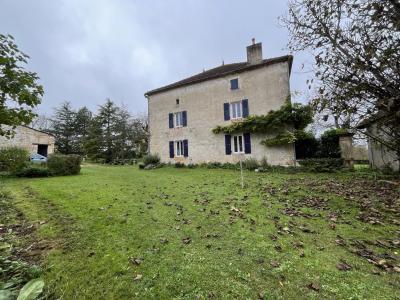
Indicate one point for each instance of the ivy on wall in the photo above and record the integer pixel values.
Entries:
(287, 124)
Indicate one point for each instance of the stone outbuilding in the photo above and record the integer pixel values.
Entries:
(379, 155)
(33, 140)
(183, 114)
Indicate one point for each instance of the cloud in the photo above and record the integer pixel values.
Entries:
(86, 51)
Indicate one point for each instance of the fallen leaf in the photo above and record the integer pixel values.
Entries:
(187, 240)
(314, 286)
(275, 264)
(135, 261)
(138, 277)
(343, 266)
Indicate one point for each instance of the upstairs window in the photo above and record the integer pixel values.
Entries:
(178, 119)
(236, 110)
(234, 84)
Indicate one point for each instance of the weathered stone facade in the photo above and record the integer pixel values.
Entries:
(264, 85)
(30, 139)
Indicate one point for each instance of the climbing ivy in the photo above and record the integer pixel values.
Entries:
(286, 123)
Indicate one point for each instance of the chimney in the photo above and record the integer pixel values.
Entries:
(254, 52)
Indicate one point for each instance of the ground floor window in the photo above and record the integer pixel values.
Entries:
(179, 148)
(237, 144)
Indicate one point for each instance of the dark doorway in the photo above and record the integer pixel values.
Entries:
(42, 149)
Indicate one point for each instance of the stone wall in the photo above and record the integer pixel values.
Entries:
(29, 139)
(266, 88)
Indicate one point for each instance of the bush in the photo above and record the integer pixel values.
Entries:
(60, 164)
(141, 166)
(250, 164)
(33, 171)
(322, 164)
(13, 159)
(151, 159)
(179, 165)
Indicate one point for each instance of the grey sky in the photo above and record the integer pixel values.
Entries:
(87, 50)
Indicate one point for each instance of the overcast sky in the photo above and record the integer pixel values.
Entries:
(88, 50)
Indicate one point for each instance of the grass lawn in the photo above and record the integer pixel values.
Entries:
(120, 233)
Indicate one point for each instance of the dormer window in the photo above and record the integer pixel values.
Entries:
(234, 84)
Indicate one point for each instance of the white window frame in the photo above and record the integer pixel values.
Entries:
(236, 110)
(178, 119)
(179, 148)
(237, 144)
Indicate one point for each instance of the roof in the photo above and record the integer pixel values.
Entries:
(41, 131)
(222, 71)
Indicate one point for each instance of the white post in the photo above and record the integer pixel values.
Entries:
(241, 171)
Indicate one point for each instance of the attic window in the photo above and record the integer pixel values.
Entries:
(177, 101)
(234, 84)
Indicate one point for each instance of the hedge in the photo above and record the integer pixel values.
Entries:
(60, 164)
(13, 159)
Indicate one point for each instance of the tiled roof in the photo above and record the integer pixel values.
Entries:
(222, 71)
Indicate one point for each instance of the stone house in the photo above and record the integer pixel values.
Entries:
(183, 114)
(33, 140)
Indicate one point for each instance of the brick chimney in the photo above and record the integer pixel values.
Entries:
(254, 52)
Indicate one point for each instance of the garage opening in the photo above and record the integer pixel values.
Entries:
(42, 149)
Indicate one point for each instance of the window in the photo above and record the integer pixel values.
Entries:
(178, 119)
(179, 148)
(237, 144)
(236, 110)
(177, 101)
(234, 84)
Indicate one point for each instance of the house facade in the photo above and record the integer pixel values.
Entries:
(33, 140)
(183, 114)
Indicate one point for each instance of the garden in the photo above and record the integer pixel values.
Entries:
(118, 232)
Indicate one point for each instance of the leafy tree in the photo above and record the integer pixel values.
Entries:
(19, 90)
(356, 44)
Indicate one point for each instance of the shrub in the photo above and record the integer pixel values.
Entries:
(250, 164)
(141, 166)
(179, 165)
(60, 164)
(151, 159)
(33, 171)
(13, 159)
(322, 164)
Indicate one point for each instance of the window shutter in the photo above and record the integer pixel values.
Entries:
(247, 143)
(228, 146)
(171, 120)
(185, 148)
(226, 112)
(184, 118)
(171, 149)
(245, 108)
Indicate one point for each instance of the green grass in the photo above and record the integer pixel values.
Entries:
(97, 221)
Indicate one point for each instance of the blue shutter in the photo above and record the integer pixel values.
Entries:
(247, 143)
(171, 120)
(171, 149)
(184, 118)
(228, 147)
(226, 112)
(185, 148)
(245, 108)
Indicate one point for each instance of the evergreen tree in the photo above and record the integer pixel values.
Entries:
(63, 128)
